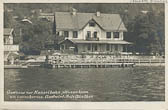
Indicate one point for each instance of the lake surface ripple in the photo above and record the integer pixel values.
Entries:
(104, 84)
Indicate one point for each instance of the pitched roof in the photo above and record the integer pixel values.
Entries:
(108, 22)
(46, 14)
(7, 31)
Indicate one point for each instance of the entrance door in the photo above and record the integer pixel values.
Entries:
(124, 48)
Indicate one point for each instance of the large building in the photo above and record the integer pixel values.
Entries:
(10, 49)
(90, 32)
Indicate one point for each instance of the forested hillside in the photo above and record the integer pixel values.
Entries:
(145, 24)
(133, 9)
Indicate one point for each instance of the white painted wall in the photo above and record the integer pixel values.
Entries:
(8, 39)
(96, 28)
(9, 47)
(101, 34)
(80, 34)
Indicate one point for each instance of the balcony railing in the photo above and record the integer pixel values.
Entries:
(92, 38)
(11, 47)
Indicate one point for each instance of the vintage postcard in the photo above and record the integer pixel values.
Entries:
(100, 54)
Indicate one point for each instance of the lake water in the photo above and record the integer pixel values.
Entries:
(93, 84)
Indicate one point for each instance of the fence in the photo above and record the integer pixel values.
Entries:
(62, 59)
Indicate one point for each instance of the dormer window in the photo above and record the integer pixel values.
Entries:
(91, 23)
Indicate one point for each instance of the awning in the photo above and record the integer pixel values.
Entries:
(101, 42)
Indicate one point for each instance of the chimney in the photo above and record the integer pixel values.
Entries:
(98, 13)
(74, 11)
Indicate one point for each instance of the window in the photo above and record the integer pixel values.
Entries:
(88, 34)
(111, 48)
(57, 33)
(124, 48)
(4, 41)
(75, 34)
(107, 47)
(108, 34)
(62, 47)
(66, 46)
(91, 23)
(116, 34)
(116, 47)
(89, 47)
(66, 34)
(95, 34)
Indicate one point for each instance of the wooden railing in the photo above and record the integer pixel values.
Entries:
(92, 39)
(61, 60)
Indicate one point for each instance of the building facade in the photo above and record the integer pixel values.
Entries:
(90, 32)
(10, 49)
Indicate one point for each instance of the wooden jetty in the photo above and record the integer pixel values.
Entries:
(15, 67)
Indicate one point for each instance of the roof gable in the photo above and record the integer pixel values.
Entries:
(66, 40)
(92, 20)
(108, 22)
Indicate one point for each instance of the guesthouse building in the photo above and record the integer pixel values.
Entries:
(97, 33)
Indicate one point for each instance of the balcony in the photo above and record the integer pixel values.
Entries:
(13, 48)
(92, 38)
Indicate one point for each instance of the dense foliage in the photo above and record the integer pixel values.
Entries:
(32, 37)
(145, 29)
(35, 36)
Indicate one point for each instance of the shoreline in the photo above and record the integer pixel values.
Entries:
(92, 67)
(150, 64)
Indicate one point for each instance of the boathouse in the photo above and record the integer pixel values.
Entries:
(10, 49)
(98, 33)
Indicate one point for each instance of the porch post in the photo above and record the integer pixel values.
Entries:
(126, 48)
(111, 48)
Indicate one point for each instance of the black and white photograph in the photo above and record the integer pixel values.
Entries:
(84, 52)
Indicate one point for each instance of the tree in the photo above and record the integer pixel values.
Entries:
(35, 36)
(143, 31)
(8, 21)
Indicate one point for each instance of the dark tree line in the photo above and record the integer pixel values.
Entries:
(146, 31)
